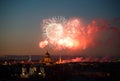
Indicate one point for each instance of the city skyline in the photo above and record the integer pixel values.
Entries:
(21, 31)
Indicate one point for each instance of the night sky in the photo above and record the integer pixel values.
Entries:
(20, 31)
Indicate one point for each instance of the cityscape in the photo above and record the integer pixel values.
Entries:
(60, 70)
(59, 40)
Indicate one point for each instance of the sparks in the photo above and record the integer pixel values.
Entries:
(61, 33)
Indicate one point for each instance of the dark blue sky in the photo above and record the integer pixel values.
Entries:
(20, 30)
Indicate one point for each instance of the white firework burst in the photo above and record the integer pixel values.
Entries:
(53, 27)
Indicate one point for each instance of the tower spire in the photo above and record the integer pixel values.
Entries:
(29, 58)
(60, 60)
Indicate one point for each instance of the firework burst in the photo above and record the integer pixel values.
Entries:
(60, 33)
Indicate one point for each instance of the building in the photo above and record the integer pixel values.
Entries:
(32, 70)
(24, 73)
(47, 59)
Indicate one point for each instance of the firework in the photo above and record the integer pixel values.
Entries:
(61, 33)
(42, 44)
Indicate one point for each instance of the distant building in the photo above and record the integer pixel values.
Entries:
(32, 70)
(41, 72)
(24, 73)
(47, 59)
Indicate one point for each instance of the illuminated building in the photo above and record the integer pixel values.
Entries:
(41, 72)
(32, 70)
(24, 72)
(47, 59)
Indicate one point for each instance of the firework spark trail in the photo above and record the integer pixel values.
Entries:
(61, 33)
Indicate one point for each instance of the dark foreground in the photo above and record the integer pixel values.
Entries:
(64, 72)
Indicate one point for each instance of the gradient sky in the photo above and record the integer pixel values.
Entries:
(20, 30)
